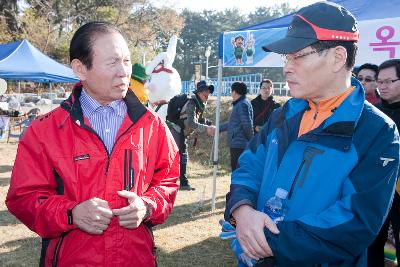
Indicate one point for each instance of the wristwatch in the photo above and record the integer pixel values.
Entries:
(70, 217)
(149, 211)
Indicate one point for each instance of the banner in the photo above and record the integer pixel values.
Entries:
(379, 41)
(244, 48)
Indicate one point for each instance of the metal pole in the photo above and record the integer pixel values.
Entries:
(144, 59)
(206, 69)
(51, 96)
(207, 55)
(216, 136)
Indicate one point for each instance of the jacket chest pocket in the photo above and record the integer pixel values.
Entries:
(131, 166)
(128, 170)
(302, 171)
(79, 171)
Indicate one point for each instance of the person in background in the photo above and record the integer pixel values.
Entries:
(193, 123)
(389, 85)
(263, 104)
(331, 157)
(94, 175)
(367, 75)
(31, 116)
(240, 124)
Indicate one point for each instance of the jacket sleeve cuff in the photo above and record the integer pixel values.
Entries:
(239, 195)
(149, 209)
(70, 225)
(273, 241)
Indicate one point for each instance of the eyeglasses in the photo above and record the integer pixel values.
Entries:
(293, 57)
(387, 82)
(367, 80)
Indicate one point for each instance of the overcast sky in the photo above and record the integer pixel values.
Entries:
(246, 6)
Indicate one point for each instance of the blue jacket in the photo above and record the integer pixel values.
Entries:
(340, 178)
(240, 124)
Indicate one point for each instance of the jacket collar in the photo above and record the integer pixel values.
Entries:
(239, 99)
(393, 106)
(92, 105)
(258, 98)
(341, 124)
(198, 102)
(73, 106)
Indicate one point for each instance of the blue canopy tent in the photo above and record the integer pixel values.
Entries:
(379, 27)
(21, 61)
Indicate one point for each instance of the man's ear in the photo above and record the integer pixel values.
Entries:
(79, 69)
(340, 58)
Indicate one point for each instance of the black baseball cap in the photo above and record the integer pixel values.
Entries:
(202, 86)
(322, 21)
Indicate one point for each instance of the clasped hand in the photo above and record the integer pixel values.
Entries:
(250, 226)
(94, 215)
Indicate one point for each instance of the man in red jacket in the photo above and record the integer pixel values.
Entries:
(94, 175)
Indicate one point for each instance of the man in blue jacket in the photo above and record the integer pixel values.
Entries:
(340, 181)
(240, 124)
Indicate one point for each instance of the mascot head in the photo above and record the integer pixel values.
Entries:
(165, 81)
(138, 80)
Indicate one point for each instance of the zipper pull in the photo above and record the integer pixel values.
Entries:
(125, 170)
(131, 171)
(316, 112)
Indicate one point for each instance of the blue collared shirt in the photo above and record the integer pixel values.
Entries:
(105, 120)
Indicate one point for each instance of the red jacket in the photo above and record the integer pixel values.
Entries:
(61, 162)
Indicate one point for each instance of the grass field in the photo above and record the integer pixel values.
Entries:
(188, 238)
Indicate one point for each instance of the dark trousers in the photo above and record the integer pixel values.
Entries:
(235, 154)
(376, 254)
(181, 142)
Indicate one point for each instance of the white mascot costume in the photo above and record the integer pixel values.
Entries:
(165, 81)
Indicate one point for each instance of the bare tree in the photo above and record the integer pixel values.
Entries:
(9, 14)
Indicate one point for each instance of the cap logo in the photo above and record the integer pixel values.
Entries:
(331, 35)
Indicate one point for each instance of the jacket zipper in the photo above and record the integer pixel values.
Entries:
(316, 111)
(104, 145)
(149, 229)
(116, 141)
(129, 172)
(295, 179)
(105, 148)
(308, 155)
(54, 261)
(125, 170)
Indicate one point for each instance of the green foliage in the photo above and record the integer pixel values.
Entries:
(9, 24)
(5, 37)
(106, 13)
(50, 24)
